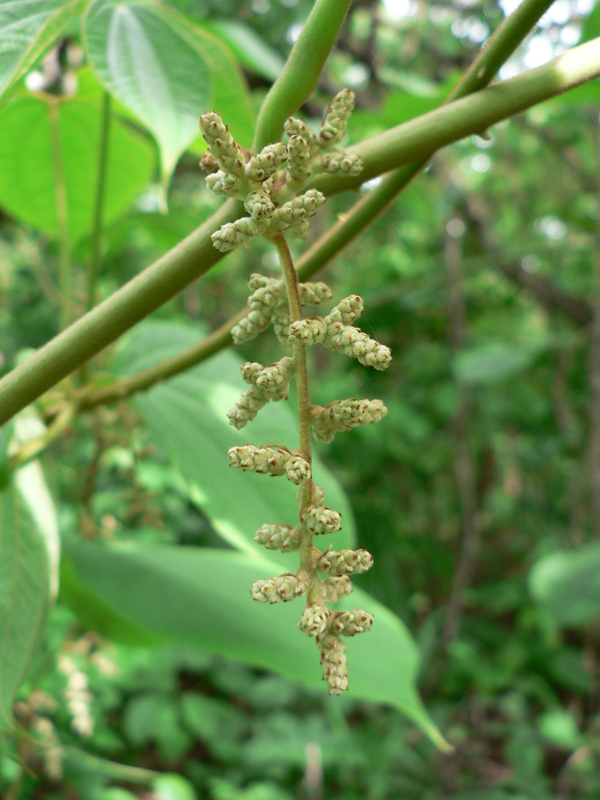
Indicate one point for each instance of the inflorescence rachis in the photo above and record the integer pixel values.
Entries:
(270, 184)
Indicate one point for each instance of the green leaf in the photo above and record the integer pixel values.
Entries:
(187, 417)
(248, 47)
(173, 787)
(164, 69)
(29, 27)
(567, 584)
(33, 130)
(6, 433)
(492, 362)
(29, 553)
(204, 599)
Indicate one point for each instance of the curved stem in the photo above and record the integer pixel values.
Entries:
(302, 69)
(419, 138)
(195, 255)
(34, 447)
(190, 259)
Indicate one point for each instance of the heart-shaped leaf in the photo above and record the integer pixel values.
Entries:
(200, 596)
(47, 142)
(29, 27)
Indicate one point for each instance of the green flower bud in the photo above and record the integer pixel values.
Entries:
(336, 588)
(224, 183)
(297, 127)
(350, 623)
(221, 144)
(293, 213)
(333, 659)
(333, 128)
(345, 562)
(267, 162)
(356, 344)
(251, 325)
(313, 294)
(232, 234)
(281, 324)
(346, 311)
(313, 619)
(322, 520)
(264, 460)
(299, 162)
(259, 205)
(280, 537)
(310, 330)
(346, 163)
(283, 588)
(343, 415)
(297, 470)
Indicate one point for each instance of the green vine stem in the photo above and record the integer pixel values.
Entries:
(195, 255)
(301, 72)
(362, 214)
(419, 138)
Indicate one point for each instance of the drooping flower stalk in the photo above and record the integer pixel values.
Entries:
(270, 185)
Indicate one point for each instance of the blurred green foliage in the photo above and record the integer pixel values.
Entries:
(476, 495)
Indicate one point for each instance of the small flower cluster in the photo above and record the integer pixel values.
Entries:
(274, 203)
(336, 332)
(306, 149)
(268, 305)
(255, 182)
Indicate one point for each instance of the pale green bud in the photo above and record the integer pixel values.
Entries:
(266, 297)
(356, 344)
(297, 470)
(343, 415)
(246, 408)
(346, 311)
(312, 294)
(280, 537)
(336, 588)
(333, 127)
(281, 324)
(313, 619)
(322, 520)
(267, 162)
(299, 161)
(294, 212)
(333, 659)
(232, 234)
(283, 588)
(345, 562)
(297, 127)
(259, 205)
(251, 325)
(310, 330)
(224, 183)
(221, 144)
(350, 623)
(345, 163)
(264, 460)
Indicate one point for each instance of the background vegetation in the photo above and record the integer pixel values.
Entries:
(479, 494)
